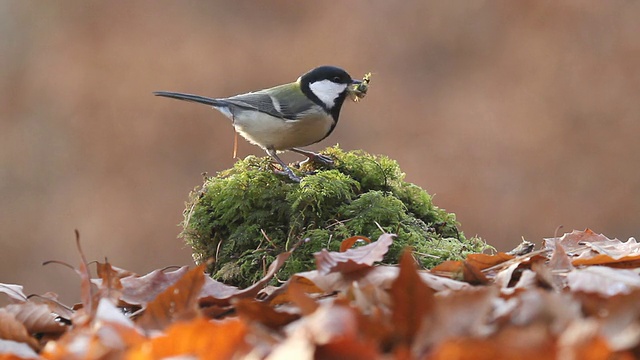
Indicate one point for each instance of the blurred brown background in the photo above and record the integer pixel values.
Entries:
(519, 116)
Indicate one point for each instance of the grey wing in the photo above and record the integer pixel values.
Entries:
(277, 105)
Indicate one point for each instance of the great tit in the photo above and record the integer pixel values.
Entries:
(286, 117)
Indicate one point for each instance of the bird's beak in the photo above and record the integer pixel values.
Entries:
(357, 90)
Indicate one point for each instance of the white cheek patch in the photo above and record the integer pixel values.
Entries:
(327, 91)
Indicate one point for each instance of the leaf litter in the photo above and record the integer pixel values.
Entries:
(574, 298)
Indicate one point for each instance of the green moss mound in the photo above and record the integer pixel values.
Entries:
(247, 215)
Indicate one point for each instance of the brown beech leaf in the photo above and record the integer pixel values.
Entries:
(353, 259)
(348, 243)
(523, 343)
(216, 293)
(51, 301)
(484, 261)
(559, 259)
(412, 301)
(177, 303)
(626, 262)
(603, 280)
(139, 290)
(458, 314)
(251, 310)
(12, 329)
(281, 294)
(574, 242)
(37, 318)
(379, 276)
(110, 285)
(13, 291)
(297, 294)
(195, 339)
(587, 244)
(451, 268)
(472, 274)
(461, 270)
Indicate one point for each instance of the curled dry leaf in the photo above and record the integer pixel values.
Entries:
(177, 303)
(348, 243)
(587, 244)
(353, 259)
(139, 290)
(13, 291)
(37, 318)
(220, 294)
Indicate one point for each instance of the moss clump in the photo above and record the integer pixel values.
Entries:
(225, 218)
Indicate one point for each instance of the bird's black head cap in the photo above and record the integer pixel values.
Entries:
(331, 73)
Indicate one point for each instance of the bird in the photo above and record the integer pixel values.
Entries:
(288, 116)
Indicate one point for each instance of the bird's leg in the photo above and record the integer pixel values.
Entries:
(286, 170)
(315, 157)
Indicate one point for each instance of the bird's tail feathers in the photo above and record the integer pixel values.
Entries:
(193, 98)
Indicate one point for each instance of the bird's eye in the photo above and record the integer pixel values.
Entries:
(336, 79)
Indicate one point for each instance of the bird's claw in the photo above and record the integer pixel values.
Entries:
(318, 159)
(288, 172)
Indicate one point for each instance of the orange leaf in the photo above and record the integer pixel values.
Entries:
(347, 348)
(450, 268)
(348, 243)
(484, 261)
(200, 339)
(473, 275)
(298, 296)
(626, 262)
(412, 300)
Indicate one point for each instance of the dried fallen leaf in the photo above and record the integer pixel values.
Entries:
(484, 261)
(281, 295)
(603, 280)
(216, 293)
(13, 291)
(587, 244)
(412, 301)
(177, 303)
(199, 339)
(353, 259)
(37, 318)
(139, 290)
(523, 343)
(626, 262)
(348, 243)
(12, 329)
(459, 314)
(251, 310)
